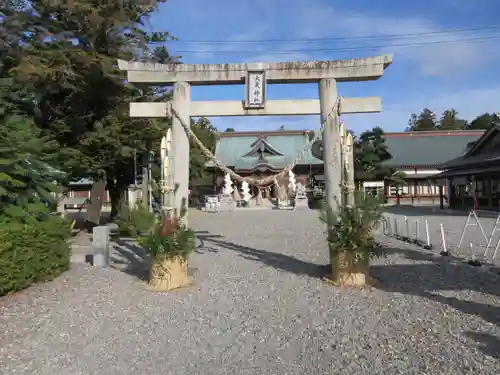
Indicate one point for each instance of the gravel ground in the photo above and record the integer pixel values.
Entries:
(453, 224)
(258, 307)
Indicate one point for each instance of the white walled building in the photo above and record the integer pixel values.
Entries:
(420, 155)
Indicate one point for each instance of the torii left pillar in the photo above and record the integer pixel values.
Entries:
(181, 102)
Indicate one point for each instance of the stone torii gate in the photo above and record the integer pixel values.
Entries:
(256, 76)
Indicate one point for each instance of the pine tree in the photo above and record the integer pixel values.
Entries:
(370, 151)
(424, 121)
(483, 121)
(27, 181)
(80, 98)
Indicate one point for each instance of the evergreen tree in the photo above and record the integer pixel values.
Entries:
(483, 121)
(206, 132)
(424, 121)
(370, 151)
(450, 121)
(27, 181)
(79, 97)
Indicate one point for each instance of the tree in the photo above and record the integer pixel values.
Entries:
(206, 132)
(424, 121)
(27, 182)
(79, 98)
(229, 130)
(398, 180)
(450, 121)
(483, 121)
(282, 128)
(370, 151)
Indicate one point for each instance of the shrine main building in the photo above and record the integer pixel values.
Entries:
(260, 154)
(419, 154)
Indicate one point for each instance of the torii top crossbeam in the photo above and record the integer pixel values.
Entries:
(363, 69)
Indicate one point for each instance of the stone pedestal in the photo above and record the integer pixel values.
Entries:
(60, 205)
(100, 246)
(301, 204)
(132, 196)
(301, 200)
(212, 203)
(226, 203)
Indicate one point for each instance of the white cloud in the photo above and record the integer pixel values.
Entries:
(431, 59)
(469, 103)
(308, 20)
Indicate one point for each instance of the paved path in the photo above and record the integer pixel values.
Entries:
(258, 307)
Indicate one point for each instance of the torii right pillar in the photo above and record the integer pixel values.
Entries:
(332, 147)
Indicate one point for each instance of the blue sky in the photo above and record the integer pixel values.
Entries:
(460, 75)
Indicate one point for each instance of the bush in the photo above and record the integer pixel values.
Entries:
(350, 230)
(170, 239)
(136, 221)
(29, 253)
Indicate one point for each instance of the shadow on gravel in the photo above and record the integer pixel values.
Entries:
(202, 237)
(131, 259)
(489, 344)
(409, 210)
(422, 255)
(425, 279)
(439, 273)
(276, 260)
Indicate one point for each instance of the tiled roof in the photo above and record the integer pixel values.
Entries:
(231, 147)
(407, 148)
(474, 155)
(428, 148)
(274, 162)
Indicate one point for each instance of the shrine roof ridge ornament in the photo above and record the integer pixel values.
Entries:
(362, 69)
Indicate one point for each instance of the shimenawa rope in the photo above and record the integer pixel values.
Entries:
(260, 183)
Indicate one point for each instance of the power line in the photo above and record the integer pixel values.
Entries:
(306, 40)
(346, 49)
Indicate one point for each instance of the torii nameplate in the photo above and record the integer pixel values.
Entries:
(255, 90)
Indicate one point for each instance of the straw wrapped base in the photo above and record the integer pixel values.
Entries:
(169, 274)
(345, 272)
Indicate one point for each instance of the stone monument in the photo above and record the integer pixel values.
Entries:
(226, 202)
(283, 199)
(301, 201)
(100, 247)
(211, 203)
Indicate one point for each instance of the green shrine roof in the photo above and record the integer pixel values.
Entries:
(243, 150)
(238, 149)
